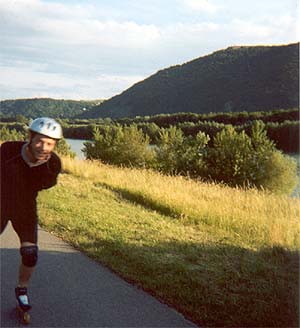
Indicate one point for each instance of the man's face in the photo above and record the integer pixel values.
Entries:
(41, 146)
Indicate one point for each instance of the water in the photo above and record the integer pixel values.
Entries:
(76, 146)
(296, 192)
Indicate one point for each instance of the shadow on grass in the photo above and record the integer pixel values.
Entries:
(139, 198)
(217, 285)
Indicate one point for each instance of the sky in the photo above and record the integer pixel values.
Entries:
(96, 49)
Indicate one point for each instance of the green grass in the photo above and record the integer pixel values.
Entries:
(221, 256)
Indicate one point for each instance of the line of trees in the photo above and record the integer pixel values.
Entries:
(285, 135)
(234, 118)
(282, 126)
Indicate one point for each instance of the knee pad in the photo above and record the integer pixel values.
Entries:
(29, 255)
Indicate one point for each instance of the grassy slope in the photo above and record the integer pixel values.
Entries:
(221, 256)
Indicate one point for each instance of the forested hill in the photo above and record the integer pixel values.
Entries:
(248, 78)
(31, 108)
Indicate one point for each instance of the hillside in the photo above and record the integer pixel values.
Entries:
(231, 80)
(35, 107)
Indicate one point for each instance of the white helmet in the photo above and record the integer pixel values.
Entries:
(46, 126)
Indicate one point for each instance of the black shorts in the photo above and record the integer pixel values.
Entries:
(26, 228)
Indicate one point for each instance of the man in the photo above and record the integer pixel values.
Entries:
(26, 168)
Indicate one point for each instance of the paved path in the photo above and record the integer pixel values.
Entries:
(70, 290)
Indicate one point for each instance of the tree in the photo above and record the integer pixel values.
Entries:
(238, 160)
(120, 146)
(179, 154)
(228, 157)
(22, 119)
(12, 135)
(63, 148)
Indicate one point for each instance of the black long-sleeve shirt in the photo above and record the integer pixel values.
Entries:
(21, 183)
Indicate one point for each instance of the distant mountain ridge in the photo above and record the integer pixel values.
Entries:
(35, 107)
(246, 78)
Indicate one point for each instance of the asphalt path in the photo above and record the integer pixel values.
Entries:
(68, 289)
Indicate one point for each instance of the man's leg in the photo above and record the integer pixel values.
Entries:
(29, 253)
(29, 260)
(26, 230)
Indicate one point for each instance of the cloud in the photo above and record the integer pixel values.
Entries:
(205, 6)
(70, 25)
(35, 82)
(43, 30)
(97, 33)
(264, 30)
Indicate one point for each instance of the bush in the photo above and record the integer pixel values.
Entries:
(63, 148)
(13, 135)
(280, 174)
(119, 145)
(229, 156)
(179, 154)
(169, 149)
(241, 160)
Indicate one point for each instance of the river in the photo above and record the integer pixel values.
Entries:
(296, 192)
(77, 146)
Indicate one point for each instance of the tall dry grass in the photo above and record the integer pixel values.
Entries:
(254, 217)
